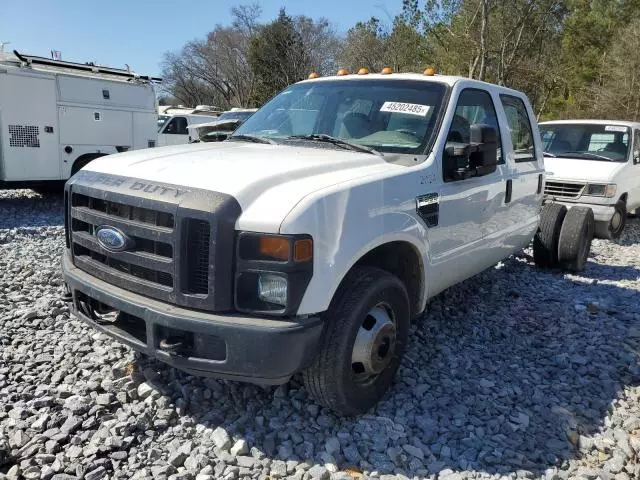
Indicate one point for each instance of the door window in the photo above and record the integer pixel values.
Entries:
(177, 126)
(474, 107)
(520, 127)
(636, 147)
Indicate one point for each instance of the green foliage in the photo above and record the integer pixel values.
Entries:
(276, 56)
(573, 58)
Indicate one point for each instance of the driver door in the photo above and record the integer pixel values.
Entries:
(467, 207)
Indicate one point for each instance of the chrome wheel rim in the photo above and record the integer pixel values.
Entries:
(375, 344)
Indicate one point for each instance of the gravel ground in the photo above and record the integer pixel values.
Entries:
(512, 374)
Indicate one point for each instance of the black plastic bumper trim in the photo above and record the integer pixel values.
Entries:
(259, 350)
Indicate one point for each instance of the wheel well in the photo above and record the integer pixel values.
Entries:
(623, 197)
(404, 261)
(83, 160)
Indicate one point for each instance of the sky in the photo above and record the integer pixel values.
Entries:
(139, 32)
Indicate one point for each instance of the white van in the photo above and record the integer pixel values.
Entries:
(174, 122)
(57, 116)
(594, 163)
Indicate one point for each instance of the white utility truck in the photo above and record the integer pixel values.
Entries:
(174, 123)
(309, 239)
(57, 116)
(594, 163)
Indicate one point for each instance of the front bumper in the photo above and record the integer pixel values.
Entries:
(601, 213)
(256, 350)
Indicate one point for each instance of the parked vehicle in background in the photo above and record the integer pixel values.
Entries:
(594, 163)
(220, 129)
(174, 123)
(57, 116)
(309, 239)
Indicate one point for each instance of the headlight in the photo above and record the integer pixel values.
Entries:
(273, 289)
(273, 272)
(600, 190)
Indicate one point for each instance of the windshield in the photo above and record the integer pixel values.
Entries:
(235, 115)
(162, 119)
(396, 116)
(598, 142)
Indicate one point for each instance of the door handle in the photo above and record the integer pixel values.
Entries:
(507, 195)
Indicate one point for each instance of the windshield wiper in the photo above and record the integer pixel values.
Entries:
(595, 156)
(339, 142)
(251, 138)
(549, 154)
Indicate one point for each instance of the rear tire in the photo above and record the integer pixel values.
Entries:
(545, 243)
(575, 239)
(363, 343)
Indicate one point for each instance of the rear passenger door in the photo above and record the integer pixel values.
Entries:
(526, 169)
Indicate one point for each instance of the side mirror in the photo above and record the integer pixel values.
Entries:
(477, 158)
(485, 138)
(636, 156)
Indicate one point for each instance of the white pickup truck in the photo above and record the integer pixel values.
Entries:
(309, 239)
(594, 163)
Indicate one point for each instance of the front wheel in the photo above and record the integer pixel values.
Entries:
(363, 343)
(613, 229)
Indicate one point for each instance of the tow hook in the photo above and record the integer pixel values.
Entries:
(172, 345)
(67, 296)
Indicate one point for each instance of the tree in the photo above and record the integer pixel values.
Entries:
(215, 71)
(618, 94)
(277, 57)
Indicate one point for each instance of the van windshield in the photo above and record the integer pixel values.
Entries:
(397, 116)
(162, 119)
(600, 142)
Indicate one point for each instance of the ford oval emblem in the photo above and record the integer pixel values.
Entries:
(112, 239)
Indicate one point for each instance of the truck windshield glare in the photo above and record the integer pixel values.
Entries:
(395, 117)
(609, 143)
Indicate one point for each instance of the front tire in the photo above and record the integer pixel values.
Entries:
(363, 343)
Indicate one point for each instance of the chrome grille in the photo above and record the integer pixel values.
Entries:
(563, 189)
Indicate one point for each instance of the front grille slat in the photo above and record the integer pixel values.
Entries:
(118, 277)
(141, 259)
(564, 189)
(162, 234)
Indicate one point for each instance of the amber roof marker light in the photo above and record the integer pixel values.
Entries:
(387, 71)
(363, 71)
(313, 75)
(343, 71)
(430, 71)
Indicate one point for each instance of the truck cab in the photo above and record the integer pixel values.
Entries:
(594, 163)
(174, 123)
(309, 239)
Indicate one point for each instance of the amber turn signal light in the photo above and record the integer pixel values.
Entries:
(276, 248)
(303, 250)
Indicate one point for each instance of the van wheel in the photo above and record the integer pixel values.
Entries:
(364, 340)
(613, 229)
(545, 243)
(575, 239)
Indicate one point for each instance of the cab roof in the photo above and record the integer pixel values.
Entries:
(592, 122)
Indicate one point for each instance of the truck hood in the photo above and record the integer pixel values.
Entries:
(581, 170)
(247, 171)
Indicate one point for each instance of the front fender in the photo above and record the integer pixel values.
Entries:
(348, 223)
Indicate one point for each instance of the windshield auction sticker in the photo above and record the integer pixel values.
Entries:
(408, 108)
(615, 128)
